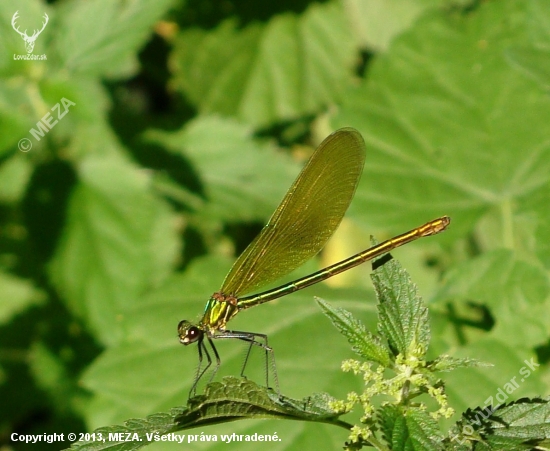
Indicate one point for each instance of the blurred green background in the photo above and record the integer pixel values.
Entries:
(153, 140)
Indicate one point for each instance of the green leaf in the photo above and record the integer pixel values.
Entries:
(377, 22)
(448, 363)
(446, 138)
(409, 429)
(387, 417)
(230, 400)
(236, 171)
(235, 399)
(532, 60)
(403, 319)
(520, 425)
(118, 30)
(363, 342)
(288, 68)
(119, 241)
(516, 291)
(423, 430)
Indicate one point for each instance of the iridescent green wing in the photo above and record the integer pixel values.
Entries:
(309, 214)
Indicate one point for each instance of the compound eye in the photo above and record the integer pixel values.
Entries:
(188, 333)
(193, 333)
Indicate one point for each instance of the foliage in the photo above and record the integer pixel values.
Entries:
(163, 134)
(402, 422)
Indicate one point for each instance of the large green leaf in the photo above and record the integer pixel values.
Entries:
(117, 31)
(460, 135)
(118, 242)
(516, 291)
(243, 178)
(230, 400)
(377, 22)
(533, 59)
(285, 69)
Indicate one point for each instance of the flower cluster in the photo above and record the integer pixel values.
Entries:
(411, 378)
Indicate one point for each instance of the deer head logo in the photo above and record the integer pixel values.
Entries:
(29, 40)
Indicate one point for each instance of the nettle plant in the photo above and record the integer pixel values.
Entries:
(394, 367)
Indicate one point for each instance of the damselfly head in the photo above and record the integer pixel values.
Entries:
(189, 333)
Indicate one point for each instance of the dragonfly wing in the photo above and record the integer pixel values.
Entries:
(309, 214)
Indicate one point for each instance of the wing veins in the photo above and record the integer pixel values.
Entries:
(299, 229)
